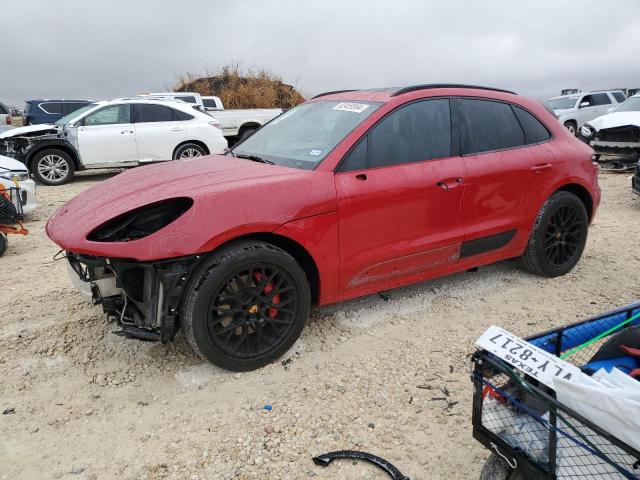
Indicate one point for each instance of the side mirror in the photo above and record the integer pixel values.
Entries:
(585, 104)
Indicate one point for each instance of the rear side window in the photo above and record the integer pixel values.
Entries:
(619, 96)
(51, 107)
(187, 98)
(600, 99)
(534, 130)
(70, 107)
(179, 115)
(487, 125)
(149, 112)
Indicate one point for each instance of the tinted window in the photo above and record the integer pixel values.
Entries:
(418, 131)
(487, 126)
(187, 98)
(587, 99)
(534, 130)
(51, 107)
(209, 103)
(619, 96)
(600, 99)
(111, 115)
(147, 112)
(68, 108)
(3, 110)
(356, 159)
(179, 115)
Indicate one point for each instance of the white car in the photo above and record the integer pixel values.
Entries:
(117, 133)
(195, 99)
(575, 110)
(12, 170)
(239, 122)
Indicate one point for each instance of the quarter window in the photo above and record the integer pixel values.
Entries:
(534, 130)
(487, 125)
(600, 99)
(111, 115)
(180, 115)
(149, 112)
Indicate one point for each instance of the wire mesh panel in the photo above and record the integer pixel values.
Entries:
(10, 205)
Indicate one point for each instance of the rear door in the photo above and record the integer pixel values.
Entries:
(107, 137)
(400, 192)
(508, 169)
(158, 131)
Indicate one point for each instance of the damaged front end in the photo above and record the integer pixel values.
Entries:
(616, 148)
(143, 297)
(19, 145)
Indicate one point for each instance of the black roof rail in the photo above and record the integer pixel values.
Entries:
(334, 91)
(413, 88)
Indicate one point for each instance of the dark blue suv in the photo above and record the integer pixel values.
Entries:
(50, 111)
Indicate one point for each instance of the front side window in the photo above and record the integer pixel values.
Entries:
(631, 105)
(111, 115)
(150, 112)
(619, 96)
(600, 99)
(487, 125)
(303, 136)
(587, 101)
(70, 117)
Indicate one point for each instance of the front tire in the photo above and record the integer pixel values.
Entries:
(52, 167)
(572, 127)
(189, 150)
(4, 243)
(246, 305)
(558, 237)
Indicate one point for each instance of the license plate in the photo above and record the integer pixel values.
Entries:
(529, 359)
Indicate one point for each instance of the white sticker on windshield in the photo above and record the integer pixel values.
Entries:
(351, 107)
(315, 153)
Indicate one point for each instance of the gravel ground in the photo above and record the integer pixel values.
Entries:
(388, 374)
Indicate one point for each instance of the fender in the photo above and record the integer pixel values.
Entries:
(61, 143)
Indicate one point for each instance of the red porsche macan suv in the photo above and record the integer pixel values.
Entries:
(350, 193)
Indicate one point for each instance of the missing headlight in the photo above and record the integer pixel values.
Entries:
(141, 222)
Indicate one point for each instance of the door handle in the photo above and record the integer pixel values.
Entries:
(361, 176)
(450, 184)
(541, 167)
(177, 129)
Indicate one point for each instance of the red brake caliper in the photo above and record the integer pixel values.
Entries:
(268, 288)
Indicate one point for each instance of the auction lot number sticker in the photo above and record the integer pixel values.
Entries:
(351, 107)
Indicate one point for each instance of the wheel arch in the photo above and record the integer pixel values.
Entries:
(68, 149)
(196, 142)
(582, 193)
(252, 124)
(293, 248)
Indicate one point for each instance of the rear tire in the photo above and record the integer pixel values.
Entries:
(189, 150)
(497, 469)
(4, 243)
(558, 237)
(246, 133)
(246, 305)
(572, 127)
(52, 167)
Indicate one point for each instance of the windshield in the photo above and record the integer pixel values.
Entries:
(631, 105)
(560, 103)
(304, 136)
(67, 118)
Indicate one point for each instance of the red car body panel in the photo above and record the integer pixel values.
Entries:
(393, 227)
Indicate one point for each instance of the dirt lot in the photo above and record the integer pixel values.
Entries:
(89, 404)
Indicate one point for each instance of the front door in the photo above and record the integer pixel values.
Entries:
(400, 192)
(107, 137)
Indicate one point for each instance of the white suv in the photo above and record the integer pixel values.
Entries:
(116, 133)
(575, 110)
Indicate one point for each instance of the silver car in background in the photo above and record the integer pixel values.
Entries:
(575, 110)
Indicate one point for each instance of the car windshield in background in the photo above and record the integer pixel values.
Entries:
(67, 118)
(561, 103)
(631, 105)
(303, 136)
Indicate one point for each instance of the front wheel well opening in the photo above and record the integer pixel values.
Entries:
(195, 142)
(69, 151)
(583, 194)
(299, 253)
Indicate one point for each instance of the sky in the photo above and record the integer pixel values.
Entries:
(107, 49)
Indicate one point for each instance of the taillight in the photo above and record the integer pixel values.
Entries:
(8, 120)
(216, 124)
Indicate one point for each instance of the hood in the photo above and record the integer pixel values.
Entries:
(562, 111)
(230, 196)
(16, 132)
(616, 119)
(11, 164)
